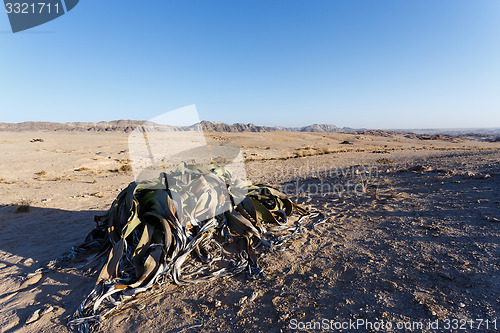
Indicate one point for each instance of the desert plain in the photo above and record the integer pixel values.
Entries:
(412, 235)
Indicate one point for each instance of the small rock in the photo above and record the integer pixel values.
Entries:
(31, 281)
(217, 303)
(253, 296)
(34, 317)
(28, 262)
(462, 305)
(46, 200)
(447, 276)
(48, 309)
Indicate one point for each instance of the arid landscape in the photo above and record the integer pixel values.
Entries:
(412, 235)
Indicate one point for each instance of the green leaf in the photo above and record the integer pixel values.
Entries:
(110, 269)
(150, 266)
(240, 225)
(263, 214)
(131, 224)
(142, 247)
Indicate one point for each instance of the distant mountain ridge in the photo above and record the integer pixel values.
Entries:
(453, 131)
(129, 125)
(239, 127)
(103, 126)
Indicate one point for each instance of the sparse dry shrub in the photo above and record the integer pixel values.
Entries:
(299, 153)
(41, 174)
(126, 168)
(23, 206)
(385, 160)
(327, 150)
(308, 151)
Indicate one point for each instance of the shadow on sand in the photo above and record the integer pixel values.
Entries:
(28, 241)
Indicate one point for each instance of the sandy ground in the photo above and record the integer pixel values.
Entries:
(412, 237)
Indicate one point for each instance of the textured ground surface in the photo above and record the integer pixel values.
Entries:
(413, 234)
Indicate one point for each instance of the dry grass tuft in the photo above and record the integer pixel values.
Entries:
(385, 160)
(310, 151)
(41, 174)
(23, 207)
(328, 150)
(125, 168)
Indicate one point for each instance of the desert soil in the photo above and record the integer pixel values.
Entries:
(412, 235)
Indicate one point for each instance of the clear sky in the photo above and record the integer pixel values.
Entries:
(374, 63)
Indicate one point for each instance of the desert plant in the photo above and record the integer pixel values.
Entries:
(171, 229)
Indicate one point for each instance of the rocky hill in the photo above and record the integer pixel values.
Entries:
(103, 126)
(211, 126)
(321, 128)
(129, 125)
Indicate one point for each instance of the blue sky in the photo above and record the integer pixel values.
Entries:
(375, 63)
